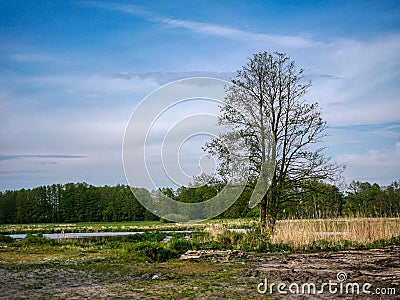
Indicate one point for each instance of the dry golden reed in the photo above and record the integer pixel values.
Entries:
(360, 230)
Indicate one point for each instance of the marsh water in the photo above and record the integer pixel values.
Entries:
(78, 235)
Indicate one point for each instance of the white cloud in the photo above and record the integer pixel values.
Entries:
(66, 114)
(111, 85)
(212, 29)
(373, 158)
(240, 35)
(71, 91)
(375, 165)
(356, 82)
(366, 91)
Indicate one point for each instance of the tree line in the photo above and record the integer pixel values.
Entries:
(360, 199)
(82, 202)
(71, 202)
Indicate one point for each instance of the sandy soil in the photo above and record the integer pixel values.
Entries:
(378, 267)
(204, 276)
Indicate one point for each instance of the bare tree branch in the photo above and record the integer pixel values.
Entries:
(265, 106)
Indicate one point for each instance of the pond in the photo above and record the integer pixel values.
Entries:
(78, 235)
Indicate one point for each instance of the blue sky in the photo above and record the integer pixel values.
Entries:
(72, 72)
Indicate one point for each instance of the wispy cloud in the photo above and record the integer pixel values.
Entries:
(211, 29)
(126, 8)
(82, 106)
(62, 156)
(166, 77)
(386, 130)
(367, 92)
(237, 34)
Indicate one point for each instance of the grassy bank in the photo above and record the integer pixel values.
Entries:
(148, 265)
(291, 236)
(140, 266)
(294, 233)
(119, 226)
(94, 227)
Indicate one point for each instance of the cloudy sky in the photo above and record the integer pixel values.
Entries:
(72, 73)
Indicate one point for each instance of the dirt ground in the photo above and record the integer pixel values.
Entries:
(209, 275)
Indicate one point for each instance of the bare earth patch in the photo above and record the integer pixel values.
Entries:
(201, 275)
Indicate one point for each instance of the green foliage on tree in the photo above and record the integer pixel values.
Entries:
(266, 112)
(320, 200)
(71, 202)
(81, 202)
(371, 200)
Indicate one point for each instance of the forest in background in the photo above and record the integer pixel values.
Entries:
(82, 202)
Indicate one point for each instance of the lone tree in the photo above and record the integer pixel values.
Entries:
(265, 110)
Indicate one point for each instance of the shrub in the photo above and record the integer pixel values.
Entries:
(155, 251)
(6, 239)
(180, 245)
(324, 245)
(231, 238)
(394, 241)
(255, 240)
(36, 240)
(164, 254)
(146, 236)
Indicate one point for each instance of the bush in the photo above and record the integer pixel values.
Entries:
(163, 254)
(6, 239)
(231, 238)
(253, 213)
(38, 239)
(281, 247)
(180, 245)
(324, 245)
(146, 236)
(394, 241)
(255, 240)
(155, 251)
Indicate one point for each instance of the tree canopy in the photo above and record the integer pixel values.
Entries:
(81, 202)
(266, 112)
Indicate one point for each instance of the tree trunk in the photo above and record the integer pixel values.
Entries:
(263, 212)
(268, 212)
(271, 223)
(272, 210)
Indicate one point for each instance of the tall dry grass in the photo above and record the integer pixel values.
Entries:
(360, 230)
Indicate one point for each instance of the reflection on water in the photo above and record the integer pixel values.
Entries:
(76, 235)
